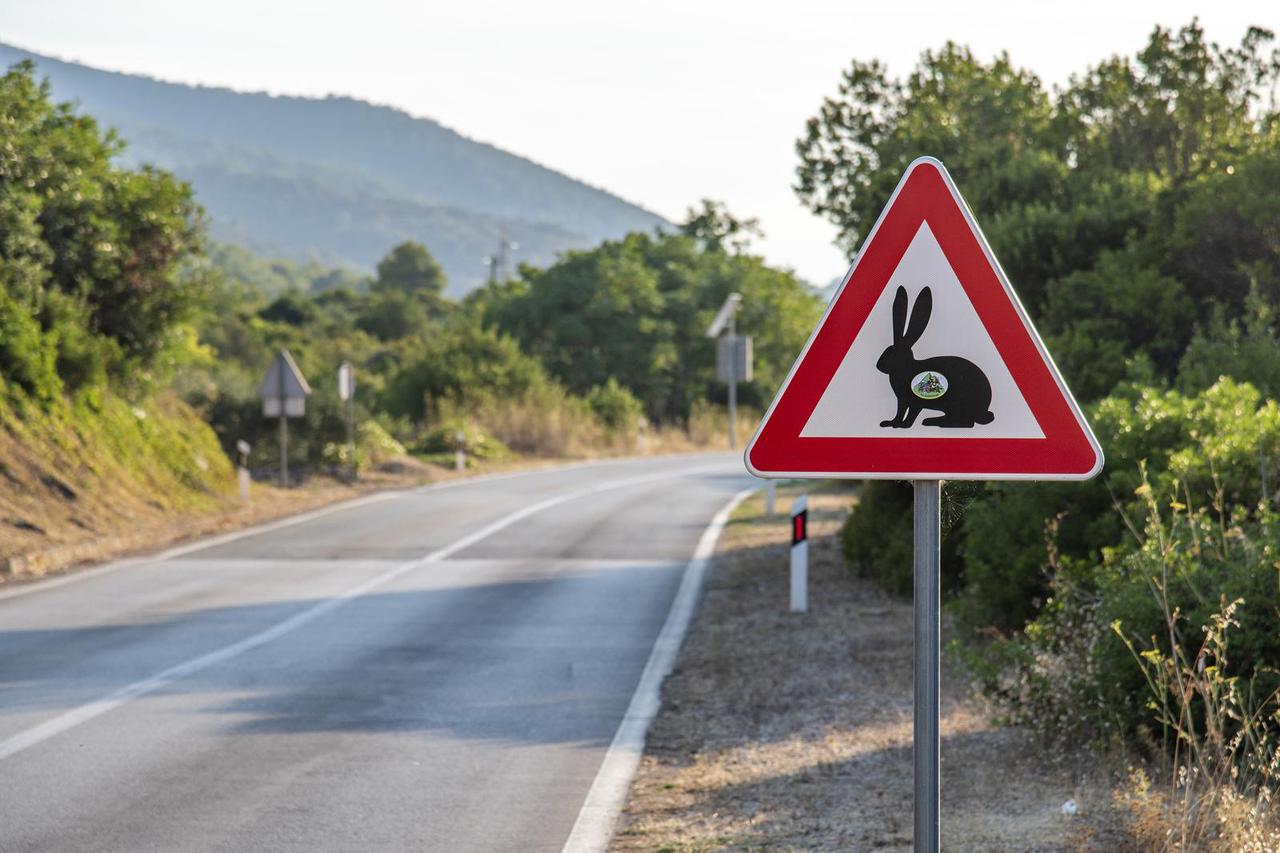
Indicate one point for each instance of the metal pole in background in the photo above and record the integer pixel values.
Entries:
(284, 445)
(351, 434)
(928, 556)
(733, 383)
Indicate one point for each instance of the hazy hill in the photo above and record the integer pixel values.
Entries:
(339, 180)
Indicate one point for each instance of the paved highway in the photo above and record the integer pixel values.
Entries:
(439, 669)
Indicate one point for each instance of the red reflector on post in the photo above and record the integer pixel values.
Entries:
(799, 523)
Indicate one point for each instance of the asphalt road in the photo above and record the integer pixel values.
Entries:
(441, 669)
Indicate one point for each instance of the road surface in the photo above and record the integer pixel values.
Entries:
(441, 669)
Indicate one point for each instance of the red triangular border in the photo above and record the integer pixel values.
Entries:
(1068, 451)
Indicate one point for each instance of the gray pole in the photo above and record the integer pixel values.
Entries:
(928, 540)
(733, 381)
(284, 446)
(351, 433)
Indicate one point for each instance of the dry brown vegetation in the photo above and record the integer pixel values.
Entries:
(793, 732)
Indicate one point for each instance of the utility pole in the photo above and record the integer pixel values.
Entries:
(733, 357)
(733, 381)
(498, 261)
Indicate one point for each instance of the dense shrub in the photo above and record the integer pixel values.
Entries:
(99, 255)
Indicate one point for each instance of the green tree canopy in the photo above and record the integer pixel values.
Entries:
(410, 269)
(95, 253)
(635, 311)
(1123, 207)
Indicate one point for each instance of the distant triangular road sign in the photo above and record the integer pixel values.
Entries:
(925, 365)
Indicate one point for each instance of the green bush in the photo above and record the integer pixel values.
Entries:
(877, 536)
(615, 406)
(1195, 525)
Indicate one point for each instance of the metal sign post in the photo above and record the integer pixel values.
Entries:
(733, 357)
(284, 394)
(928, 556)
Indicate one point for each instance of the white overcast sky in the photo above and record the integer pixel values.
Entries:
(661, 102)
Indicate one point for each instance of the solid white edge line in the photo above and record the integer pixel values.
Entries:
(73, 575)
(54, 726)
(594, 827)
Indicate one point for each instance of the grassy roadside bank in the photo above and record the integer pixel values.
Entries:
(30, 561)
(786, 732)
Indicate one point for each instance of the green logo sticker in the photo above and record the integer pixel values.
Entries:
(929, 385)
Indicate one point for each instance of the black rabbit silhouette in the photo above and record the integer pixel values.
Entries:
(949, 384)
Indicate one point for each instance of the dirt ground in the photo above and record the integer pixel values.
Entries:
(789, 731)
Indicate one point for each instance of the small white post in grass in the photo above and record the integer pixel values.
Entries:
(460, 451)
(800, 555)
(242, 470)
(770, 495)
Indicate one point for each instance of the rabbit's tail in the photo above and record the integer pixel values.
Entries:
(984, 418)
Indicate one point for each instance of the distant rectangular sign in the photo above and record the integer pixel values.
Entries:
(734, 359)
(294, 407)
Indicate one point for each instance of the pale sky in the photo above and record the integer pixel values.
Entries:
(662, 102)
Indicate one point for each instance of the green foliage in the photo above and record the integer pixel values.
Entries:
(1245, 347)
(636, 311)
(28, 356)
(392, 316)
(1123, 206)
(876, 539)
(97, 254)
(615, 406)
(275, 276)
(410, 269)
(1186, 512)
(462, 363)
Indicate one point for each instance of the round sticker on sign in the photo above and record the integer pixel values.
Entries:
(929, 385)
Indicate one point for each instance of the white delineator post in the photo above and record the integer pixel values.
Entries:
(460, 451)
(800, 555)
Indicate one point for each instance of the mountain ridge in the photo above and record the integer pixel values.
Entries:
(340, 180)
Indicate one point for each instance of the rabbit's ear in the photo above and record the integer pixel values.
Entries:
(899, 313)
(919, 316)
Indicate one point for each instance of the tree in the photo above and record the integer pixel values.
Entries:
(635, 310)
(1116, 206)
(410, 269)
(717, 229)
(99, 254)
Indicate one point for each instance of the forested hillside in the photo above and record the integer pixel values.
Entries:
(339, 180)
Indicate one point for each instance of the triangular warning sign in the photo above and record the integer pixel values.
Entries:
(925, 365)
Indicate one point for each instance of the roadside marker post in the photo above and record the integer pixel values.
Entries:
(800, 555)
(242, 470)
(925, 321)
(347, 394)
(459, 451)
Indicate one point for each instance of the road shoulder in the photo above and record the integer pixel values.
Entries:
(790, 731)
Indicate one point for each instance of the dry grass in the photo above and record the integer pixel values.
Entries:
(793, 732)
(133, 531)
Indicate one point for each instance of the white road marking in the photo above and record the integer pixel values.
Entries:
(70, 719)
(289, 521)
(599, 814)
